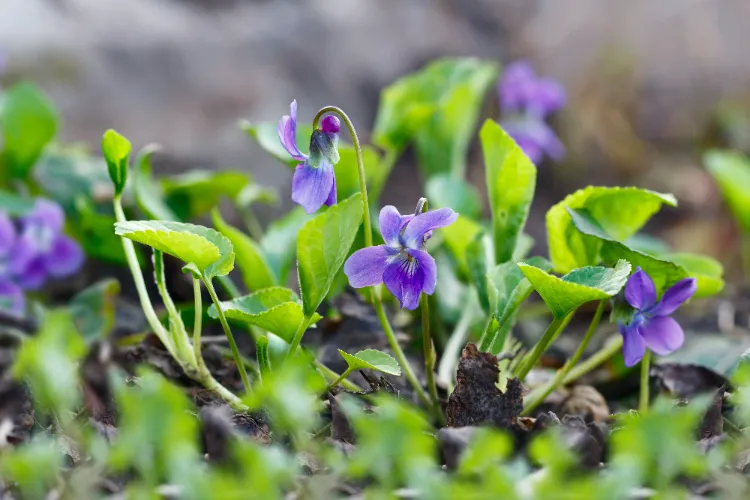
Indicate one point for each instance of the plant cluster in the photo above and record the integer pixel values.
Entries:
(470, 433)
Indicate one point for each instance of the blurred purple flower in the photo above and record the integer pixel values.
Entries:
(12, 298)
(52, 253)
(525, 101)
(314, 181)
(402, 263)
(651, 326)
(521, 91)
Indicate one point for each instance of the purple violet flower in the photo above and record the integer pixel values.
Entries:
(402, 263)
(12, 257)
(525, 101)
(314, 181)
(651, 326)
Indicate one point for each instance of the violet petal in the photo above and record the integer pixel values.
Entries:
(640, 291)
(428, 267)
(662, 335)
(311, 187)
(390, 225)
(365, 267)
(633, 345)
(287, 131)
(34, 275)
(404, 278)
(429, 221)
(65, 257)
(47, 214)
(675, 296)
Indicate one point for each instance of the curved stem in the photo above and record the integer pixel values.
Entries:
(332, 375)
(297, 339)
(610, 349)
(557, 325)
(537, 397)
(228, 332)
(645, 371)
(360, 165)
(377, 303)
(140, 285)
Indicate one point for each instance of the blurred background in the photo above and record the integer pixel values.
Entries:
(650, 84)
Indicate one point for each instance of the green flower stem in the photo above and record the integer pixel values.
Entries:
(340, 378)
(198, 321)
(179, 335)
(264, 361)
(557, 326)
(429, 356)
(140, 285)
(297, 339)
(228, 333)
(645, 369)
(607, 351)
(376, 300)
(537, 397)
(332, 375)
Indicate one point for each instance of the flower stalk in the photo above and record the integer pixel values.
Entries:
(375, 296)
(537, 397)
(553, 330)
(645, 388)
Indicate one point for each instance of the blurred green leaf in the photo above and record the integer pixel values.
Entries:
(290, 396)
(278, 242)
(149, 194)
(29, 122)
(48, 362)
(116, 151)
(620, 211)
(479, 260)
(34, 466)
(66, 176)
(663, 272)
(197, 192)
(93, 309)
(276, 309)
(458, 87)
(249, 256)
(267, 137)
(322, 245)
(565, 295)
(15, 205)
(94, 231)
(445, 191)
(457, 238)
(157, 432)
(372, 359)
(254, 193)
(706, 270)
(507, 289)
(206, 248)
(731, 170)
(511, 181)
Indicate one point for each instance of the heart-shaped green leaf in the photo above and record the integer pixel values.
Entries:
(274, 309)
(197, 192)
(507, 289)
(322, 245)
(372, 359)
(29, 122)
(116, 151)
(149, 194)
(256, 273)
(267, 136)
(731, 171)
(207, 249)
(511, 181)
(565, 295)
(620, 211)
(663, 272)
